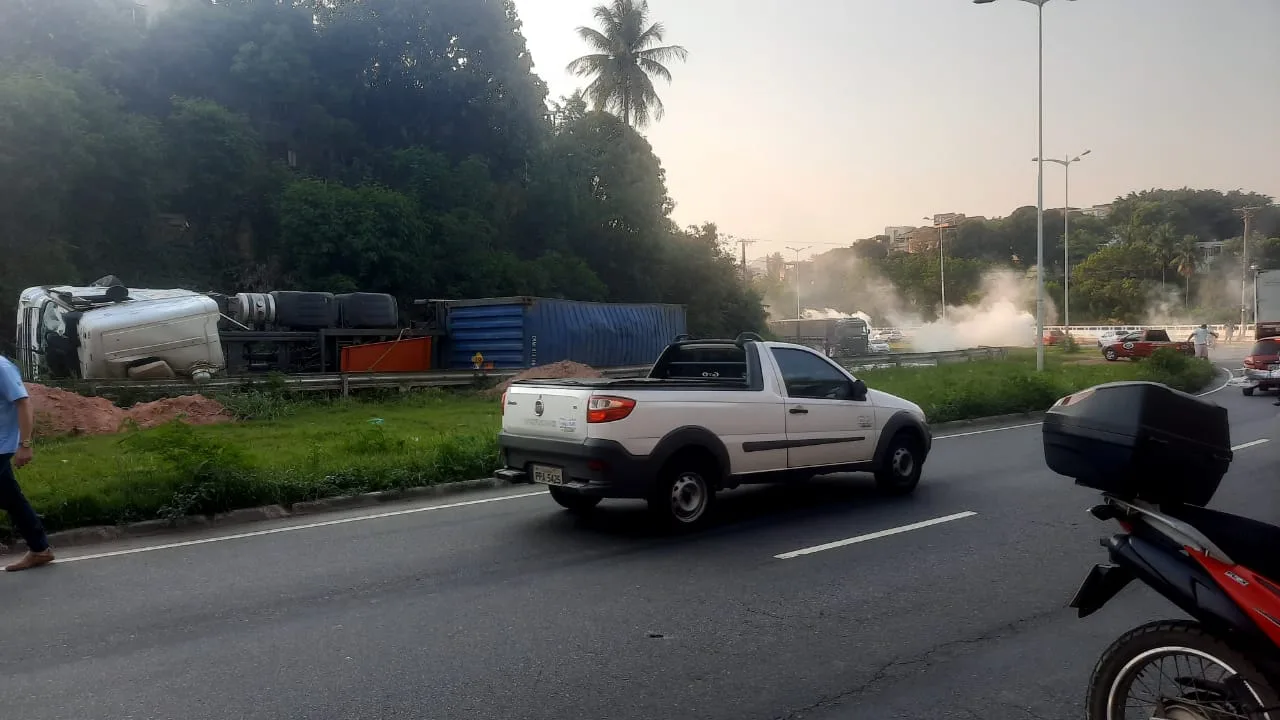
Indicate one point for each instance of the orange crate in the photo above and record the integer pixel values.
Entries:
(403, 355)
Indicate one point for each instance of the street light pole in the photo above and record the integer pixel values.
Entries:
(1066, 234)
(942, 266)
(797, 251)
(1039, 177)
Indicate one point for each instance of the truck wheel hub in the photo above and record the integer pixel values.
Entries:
(688, 497)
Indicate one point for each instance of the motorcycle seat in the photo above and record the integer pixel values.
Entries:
(1248, 542)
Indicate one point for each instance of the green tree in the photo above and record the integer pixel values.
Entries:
(626, 56)
(1110, 286)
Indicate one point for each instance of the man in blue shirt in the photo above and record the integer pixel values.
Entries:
(17, 421)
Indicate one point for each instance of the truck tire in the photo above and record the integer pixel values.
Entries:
(900, 468)
(366, 311)
(305, 310)
(1248, 392)
(685, 492)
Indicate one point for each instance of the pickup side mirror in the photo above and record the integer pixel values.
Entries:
(859, 391)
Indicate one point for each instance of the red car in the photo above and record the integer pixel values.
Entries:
(1262, 367)
(1053, 337)
(1142, 343)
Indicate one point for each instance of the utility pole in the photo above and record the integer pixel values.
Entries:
(942, 264)
(797, 251)
(1248, 213)
(743, 245)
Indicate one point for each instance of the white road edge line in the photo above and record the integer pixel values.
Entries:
(1223, 385)
(1242, 446)
(874, 535)
(295, 528)
(989, 430)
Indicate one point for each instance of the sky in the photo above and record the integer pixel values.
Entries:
(818, 122)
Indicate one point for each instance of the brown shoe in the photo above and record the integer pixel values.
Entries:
(32, 560)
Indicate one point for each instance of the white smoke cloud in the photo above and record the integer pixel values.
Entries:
(1000, 318)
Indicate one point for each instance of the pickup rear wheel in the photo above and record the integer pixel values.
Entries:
(685, 492)
(573, 500)
(899, 472)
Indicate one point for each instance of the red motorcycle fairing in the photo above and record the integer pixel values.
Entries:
(1253, 593)
(1164, 567)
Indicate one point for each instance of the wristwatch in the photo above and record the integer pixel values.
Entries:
(25, 444)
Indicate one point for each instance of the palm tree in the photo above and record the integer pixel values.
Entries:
(627, 56)
(1164, 244)
(1184, 261)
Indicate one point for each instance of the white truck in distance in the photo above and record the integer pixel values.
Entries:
(1266, 304)
(711, 415)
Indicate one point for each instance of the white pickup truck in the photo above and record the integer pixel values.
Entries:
(710, 416)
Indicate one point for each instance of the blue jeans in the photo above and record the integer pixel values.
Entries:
(23, 517)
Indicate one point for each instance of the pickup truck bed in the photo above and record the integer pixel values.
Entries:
(711, 416)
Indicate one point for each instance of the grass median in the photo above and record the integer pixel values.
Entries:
(964, 391)
(287, 450)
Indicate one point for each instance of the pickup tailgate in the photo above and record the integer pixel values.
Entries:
(547, 411)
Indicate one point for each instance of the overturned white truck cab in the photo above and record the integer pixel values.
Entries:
(117, 333)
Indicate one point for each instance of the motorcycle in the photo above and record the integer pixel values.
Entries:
(1158, 456)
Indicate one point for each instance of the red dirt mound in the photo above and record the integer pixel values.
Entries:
(60, 412)
(562, 369)
(192, 409)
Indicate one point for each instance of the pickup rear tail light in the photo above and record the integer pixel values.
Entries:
(504, 402)
(606, 408)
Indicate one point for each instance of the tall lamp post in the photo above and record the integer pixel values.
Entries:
(942, 265)
(1039, 179)
(1066, 233)
(797, 251)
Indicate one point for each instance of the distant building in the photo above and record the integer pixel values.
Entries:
(922, 240)
(1210, 252)
(804, 267)
(1098, 211)
(897, 235)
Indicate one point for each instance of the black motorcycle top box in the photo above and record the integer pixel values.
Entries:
(1140, 441)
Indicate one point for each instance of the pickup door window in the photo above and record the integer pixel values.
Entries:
(825, 425)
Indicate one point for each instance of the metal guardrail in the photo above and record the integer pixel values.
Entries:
(329, 382)
(345, 383)
(915, 359)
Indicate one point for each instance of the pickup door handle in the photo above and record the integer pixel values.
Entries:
(798, 411)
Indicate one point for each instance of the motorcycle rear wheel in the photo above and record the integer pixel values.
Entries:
(1195, 690)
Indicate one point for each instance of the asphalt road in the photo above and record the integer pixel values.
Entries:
(501, 606)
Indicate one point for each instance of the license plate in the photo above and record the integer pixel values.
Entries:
(545, 475)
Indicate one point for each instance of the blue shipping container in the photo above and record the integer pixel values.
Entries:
(521, 332)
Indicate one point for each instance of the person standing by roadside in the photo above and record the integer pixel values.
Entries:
(1200, 337)
(17, 421)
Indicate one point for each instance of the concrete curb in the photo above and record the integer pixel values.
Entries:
(98, 534)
